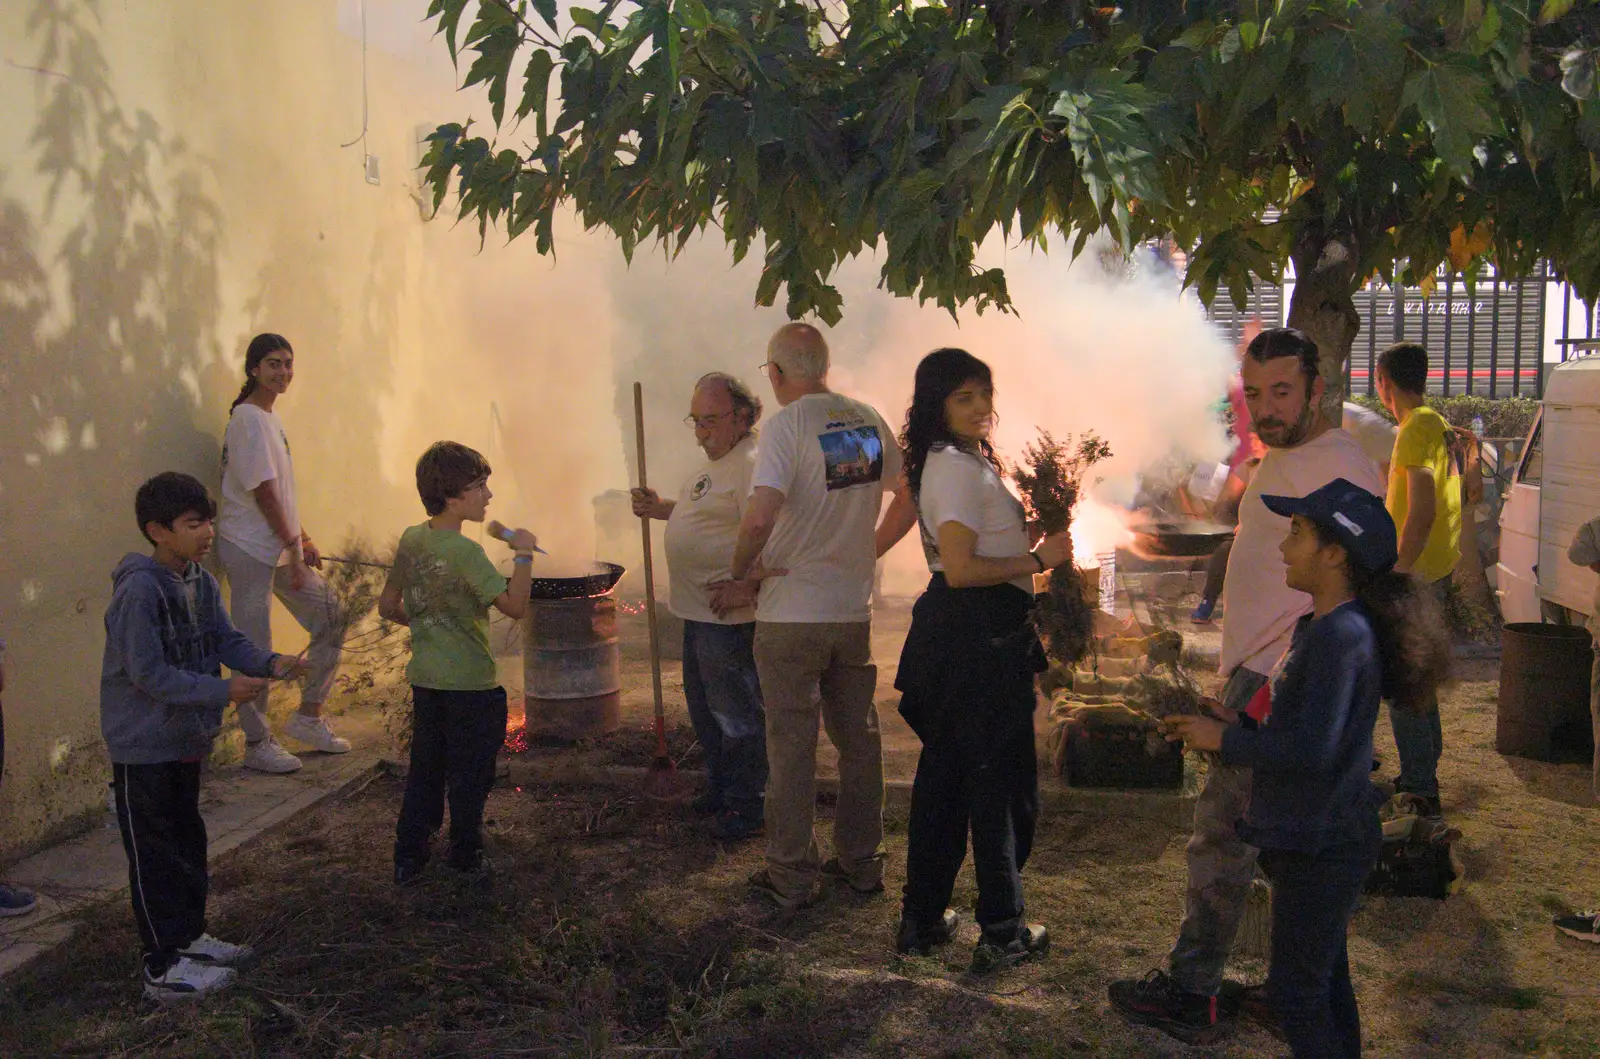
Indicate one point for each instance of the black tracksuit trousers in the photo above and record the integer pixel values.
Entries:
(158, 811)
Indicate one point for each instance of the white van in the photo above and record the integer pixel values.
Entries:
(1556, 490)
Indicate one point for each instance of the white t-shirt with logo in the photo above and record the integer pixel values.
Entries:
(959, 486)
(255, 450)
(1259, 608)
(703, 529)
(831, 457)
(1374, 433)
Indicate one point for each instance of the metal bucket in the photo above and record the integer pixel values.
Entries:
(572, 668)
(1543, 709)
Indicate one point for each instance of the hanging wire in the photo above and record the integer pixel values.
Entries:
(362, 139)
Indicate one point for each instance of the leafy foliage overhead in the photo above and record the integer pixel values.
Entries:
(1416, 134)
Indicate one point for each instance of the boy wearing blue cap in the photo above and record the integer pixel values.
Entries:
(1313, 809)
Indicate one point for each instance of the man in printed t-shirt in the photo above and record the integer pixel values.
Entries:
(824, 463)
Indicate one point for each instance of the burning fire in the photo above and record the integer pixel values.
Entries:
(1097, 528)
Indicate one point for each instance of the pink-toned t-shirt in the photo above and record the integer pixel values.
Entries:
(1259, 609)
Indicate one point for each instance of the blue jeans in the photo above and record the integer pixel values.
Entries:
(1419, 737)
(1313, 897)
(724, 695)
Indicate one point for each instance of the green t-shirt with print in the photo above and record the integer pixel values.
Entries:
(448, 583)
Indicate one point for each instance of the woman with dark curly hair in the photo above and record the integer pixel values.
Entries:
(1313, 809)
(966, 671)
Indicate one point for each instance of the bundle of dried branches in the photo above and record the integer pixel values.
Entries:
(1051, 479)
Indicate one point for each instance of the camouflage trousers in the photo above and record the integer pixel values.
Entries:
(1221, 865)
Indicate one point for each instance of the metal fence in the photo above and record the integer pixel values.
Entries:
(1489, 339)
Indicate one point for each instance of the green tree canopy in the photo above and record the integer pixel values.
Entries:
(1350, 137)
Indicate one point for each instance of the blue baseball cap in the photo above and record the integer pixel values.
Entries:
(1356, 519)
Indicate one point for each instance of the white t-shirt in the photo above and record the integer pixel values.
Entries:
(958, 486)
(1259, 609)
(1372, 432)
(831, 457)
(255, 450)
(703, 530)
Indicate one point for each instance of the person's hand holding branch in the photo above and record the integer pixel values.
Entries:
(1196, 733)
(243, 689)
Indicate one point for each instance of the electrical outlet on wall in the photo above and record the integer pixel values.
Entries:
(372, 169)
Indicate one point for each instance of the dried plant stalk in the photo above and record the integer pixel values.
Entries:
(1051, 480)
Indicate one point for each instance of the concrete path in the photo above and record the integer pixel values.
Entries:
(237, 805)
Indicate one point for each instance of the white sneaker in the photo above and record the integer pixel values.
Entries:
(206, 949)
(268, 756)
(186, 980)
(315, 731)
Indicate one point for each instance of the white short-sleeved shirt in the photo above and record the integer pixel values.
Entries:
(1259, 607)
(1372, 432)
(831, 457)
(255, 450)
(959, 486)
(703, 529)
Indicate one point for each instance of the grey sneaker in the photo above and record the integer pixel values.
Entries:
(314, 731)
(206, 949)
(186, 980)
(268, 756)
(1031, 941)
(16, 900)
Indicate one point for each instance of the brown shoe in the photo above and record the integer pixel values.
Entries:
(834, 872)
(761, 882)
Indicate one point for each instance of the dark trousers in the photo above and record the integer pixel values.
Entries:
(158, 812)
(1419, 734)
(1217, 571)
(455, 736)
(724, 699)
(1313, 897)
(983, 776)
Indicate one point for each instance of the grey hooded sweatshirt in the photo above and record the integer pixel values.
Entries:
(161, 687)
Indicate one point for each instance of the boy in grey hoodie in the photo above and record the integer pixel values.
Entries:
(162, 694)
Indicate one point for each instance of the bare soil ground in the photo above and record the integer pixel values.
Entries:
(614, 929)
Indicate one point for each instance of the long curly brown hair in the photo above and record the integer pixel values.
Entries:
(1413, 637)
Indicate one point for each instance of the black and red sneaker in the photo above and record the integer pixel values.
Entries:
(1156, 1000)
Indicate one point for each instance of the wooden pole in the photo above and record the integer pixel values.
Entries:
(649, 574)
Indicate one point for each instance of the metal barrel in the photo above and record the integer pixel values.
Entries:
(572, 668)
(1543, 709)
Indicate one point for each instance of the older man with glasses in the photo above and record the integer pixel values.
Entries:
(718, 612)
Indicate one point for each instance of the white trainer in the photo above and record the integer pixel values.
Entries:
(207, 949)
(186, 980)
(268, 756)
(315, 731)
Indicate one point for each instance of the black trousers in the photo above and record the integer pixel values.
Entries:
(455, 736)
(967, 673)
(1313, 898)
(158, 812)
(981, 777)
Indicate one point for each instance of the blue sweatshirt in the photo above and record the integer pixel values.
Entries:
(1312, 759)
(161, 687)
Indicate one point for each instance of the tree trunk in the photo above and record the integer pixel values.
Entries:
(1323, 304)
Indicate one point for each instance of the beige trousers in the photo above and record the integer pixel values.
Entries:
(812, 670)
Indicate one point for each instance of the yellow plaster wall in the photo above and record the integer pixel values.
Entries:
(172, 182)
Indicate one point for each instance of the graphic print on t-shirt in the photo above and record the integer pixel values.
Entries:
(701, 486)
(852, 456)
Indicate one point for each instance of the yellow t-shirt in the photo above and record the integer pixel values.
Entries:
(1421, 443)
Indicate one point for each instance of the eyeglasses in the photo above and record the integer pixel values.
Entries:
(774, 365)
(705, 421)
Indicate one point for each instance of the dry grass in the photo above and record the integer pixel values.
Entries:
(613, 931)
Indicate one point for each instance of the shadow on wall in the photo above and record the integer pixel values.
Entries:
(336, 409)
(105, 328)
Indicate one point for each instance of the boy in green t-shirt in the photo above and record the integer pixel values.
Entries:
(442, 586)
